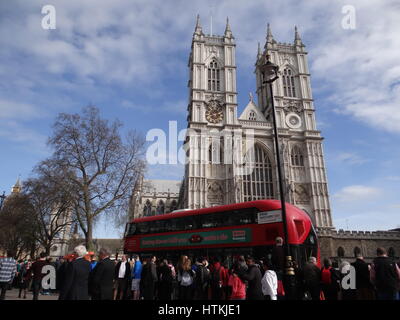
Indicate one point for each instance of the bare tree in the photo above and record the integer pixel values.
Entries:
(52, 200)
(18, 225)
(100, 166)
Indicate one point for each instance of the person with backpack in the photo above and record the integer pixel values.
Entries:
(218, 280)
(201, 280)
(329, 281)
(186, 278)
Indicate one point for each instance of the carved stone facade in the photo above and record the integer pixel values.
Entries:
(153, 197)
(216, 145)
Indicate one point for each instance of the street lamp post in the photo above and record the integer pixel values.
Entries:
(269, 71)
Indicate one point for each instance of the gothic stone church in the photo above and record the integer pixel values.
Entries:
(226, 166)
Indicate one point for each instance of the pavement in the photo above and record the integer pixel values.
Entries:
(13, 295)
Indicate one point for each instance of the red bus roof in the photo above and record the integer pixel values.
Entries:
(263, 205)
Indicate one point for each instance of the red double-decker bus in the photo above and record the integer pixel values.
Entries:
(248, 228)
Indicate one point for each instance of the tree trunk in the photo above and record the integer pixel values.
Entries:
(47, 249)
(89, 236)
(33, 250)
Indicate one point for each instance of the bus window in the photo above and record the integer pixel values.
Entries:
(170, 225)
(244, 218)
(157, 226)
(131, 229)
(142, 228)
(196, 222)
(188, 223)
(180, 224)
(230, 219)
(208, 221)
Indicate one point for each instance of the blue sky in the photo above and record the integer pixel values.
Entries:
(129, 58)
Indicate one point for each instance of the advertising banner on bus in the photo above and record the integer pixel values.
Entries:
(199, 238)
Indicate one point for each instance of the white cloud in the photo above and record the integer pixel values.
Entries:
(16, 110)
(361, 65)
(175, 107)
(137, 43)
(24, 137)
(355, 193)
(351, 158)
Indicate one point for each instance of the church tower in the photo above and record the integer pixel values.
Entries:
(212, 109)
(217, 142)
(17, 187)
(301, 142)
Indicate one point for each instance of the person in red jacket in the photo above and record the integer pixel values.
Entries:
(237, 285)
(329, 281)
(218, 280)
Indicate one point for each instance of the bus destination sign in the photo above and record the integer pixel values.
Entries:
(269, 216)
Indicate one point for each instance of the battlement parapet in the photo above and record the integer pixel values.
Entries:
(395, 235)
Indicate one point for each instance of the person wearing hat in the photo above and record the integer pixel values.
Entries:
(76, 281)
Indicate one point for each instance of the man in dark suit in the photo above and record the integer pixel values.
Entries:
(365, 289)
(278, 257)
(102, 277)
(149, 279)
(122, 277)
(76, 281)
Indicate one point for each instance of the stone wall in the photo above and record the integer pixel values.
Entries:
(367, 242)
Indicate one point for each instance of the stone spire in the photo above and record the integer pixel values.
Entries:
(198, 30)
(270, 38)
(259, 53)
(297, 39)
(228, 31)
(17, 187)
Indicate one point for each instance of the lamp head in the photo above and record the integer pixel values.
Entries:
(269, 70)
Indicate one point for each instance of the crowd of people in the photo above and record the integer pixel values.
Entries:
(84, 276)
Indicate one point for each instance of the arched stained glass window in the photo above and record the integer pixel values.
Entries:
(160, 207)
(289, 89)
(258, 183)
(174, 206)
(147, 208)
(297, 158)
(214, 76)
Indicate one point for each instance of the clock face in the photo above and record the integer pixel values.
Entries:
(293, 121)
(214, 112)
